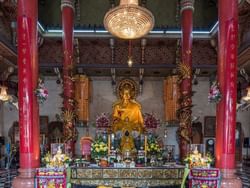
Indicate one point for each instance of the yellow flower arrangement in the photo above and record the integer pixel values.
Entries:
(153, 147)
(99, 148)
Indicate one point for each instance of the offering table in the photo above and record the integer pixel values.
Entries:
(128, 177)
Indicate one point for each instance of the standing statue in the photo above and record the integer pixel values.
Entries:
(127, 119)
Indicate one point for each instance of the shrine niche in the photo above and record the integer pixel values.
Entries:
(197, 136)
(82, 97)
(55, 132)
(209, 126)
(171, 98)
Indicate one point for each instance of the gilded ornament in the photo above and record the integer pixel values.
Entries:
(127, 83)
(185, 116)
(188, 52)
(184, 132)
(184, 70)
(68, 116)
(70, 78)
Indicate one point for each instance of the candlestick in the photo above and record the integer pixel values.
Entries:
(43, 137)
(108, 144)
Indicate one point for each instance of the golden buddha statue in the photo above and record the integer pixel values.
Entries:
(127, 108)
(127, 119)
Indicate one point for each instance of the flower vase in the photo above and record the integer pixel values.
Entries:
(97, 160)
(153, 160)
(103, 163)
(208, 165)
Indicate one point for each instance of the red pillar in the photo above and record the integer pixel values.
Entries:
(185, 71)
(27, 82)
(227, 77)
(67, 8)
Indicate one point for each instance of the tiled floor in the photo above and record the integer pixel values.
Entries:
(243, 172)
(6, 177)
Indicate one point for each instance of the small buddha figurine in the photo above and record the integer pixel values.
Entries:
(196, 158)
(127, 140)
(196, 153)
(58, 157)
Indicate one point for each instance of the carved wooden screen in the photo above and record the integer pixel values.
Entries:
(171, 98)
(82, 97)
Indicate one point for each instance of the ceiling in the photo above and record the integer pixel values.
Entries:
(93, 51)
(90, 14)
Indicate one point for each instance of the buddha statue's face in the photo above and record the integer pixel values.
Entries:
(126, 94)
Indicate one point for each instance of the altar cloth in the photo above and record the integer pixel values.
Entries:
(128, 177)
(204, 177)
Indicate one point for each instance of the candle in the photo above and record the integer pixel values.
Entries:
(43, 139)
(108, 144)
(112, 141)
(145, 145)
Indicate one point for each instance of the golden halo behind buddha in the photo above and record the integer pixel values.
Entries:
(128, 84)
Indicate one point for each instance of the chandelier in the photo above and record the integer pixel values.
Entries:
(129, 20)
(3, 94)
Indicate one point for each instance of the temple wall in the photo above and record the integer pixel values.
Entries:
(103, 97)
(1, 119)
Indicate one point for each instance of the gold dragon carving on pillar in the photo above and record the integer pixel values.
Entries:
(185, 112)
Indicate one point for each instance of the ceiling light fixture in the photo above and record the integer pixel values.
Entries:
(129, 20)
(3, 94)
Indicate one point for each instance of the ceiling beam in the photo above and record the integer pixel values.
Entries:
(123, 66)
(153, 34)
(102, 33)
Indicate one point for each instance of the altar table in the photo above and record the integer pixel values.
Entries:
(128, 177)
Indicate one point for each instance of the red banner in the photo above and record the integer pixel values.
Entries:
(25, 91)
(230, 90)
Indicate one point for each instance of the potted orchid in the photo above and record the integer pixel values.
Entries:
(214, 95)
(103, 121)
(41, 92)
(150, 121)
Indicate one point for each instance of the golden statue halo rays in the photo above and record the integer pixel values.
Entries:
(127, 83)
